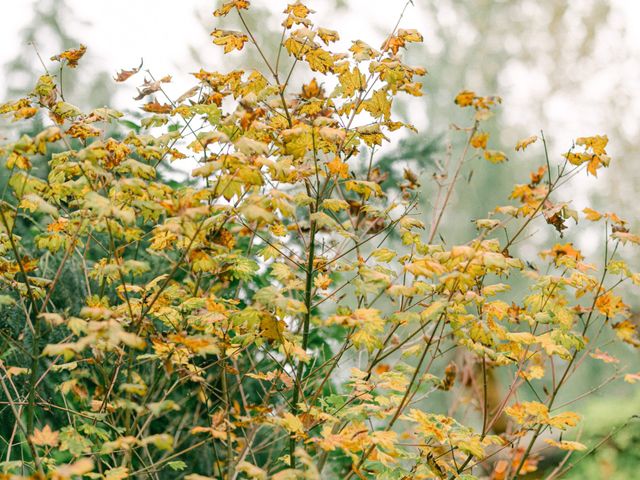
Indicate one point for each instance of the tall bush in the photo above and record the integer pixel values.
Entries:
(281, 314)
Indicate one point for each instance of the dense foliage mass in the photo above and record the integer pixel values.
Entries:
(281, 315)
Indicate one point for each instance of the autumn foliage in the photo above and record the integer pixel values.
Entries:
(282, 315)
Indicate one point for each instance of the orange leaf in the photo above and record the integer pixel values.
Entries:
(71, 56)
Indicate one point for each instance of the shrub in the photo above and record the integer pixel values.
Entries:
(281, 314)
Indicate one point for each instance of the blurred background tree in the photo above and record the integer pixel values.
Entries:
(47, 32)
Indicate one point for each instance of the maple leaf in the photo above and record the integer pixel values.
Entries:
(319, 60)
(117, 473)
(149, 87)
(352, 81)
(371, 134)
(155, 107)
(534, 372)
(24, 113)
(251, 470)
(72, 56)
(627, 332)
(13, 371)
(378, 105)
(76, 469)
(312, 90)
(479, 140)
(260, 266)
(292, 424)
(123, 75)
(597, 143)
(604, 356)
(230, 39)
(528, 412)
(328, 36)
(362, 51)
(563, 420)
(226, 7)
(271, 328)
(333, 135)
(558, 252)
(45, 437)
(404, 36)
(298, 9)
(625, 237)
(525, 142)
(594, 155)
(428, 424)
(82, 131)
(566, 445)
(632, 377)
(45, 86)
(495, 156)
(592, 214)
(465, 98)
(338, 167)
(610, 305)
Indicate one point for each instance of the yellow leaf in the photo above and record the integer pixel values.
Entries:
(352, 81)
(231, 40)
(371, 134)
(365, 188)
(425, 267)
(597, 143)
(322, 281)
(334, 204)
(566, 445)
(298, 9)
(383, 255)
(338, 167)
(271, 328)
(592, 214)
(410, 35)
(625, 237)
(528, 412)
(626, 331)
(13, 371)
(632, 377)
(378, 105)
(534, 372)
(251, 471)
(495, 156)
(428, 424)
(117, 473)
(564, 420)
(226, 7)
(551, 347)
(71, 56)
(465, 98)
(362, 51)
(335, 135)
(292, 424)
(479, 140)
(610, 305)
(319, 60)
(328, 36)
(525, 142)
